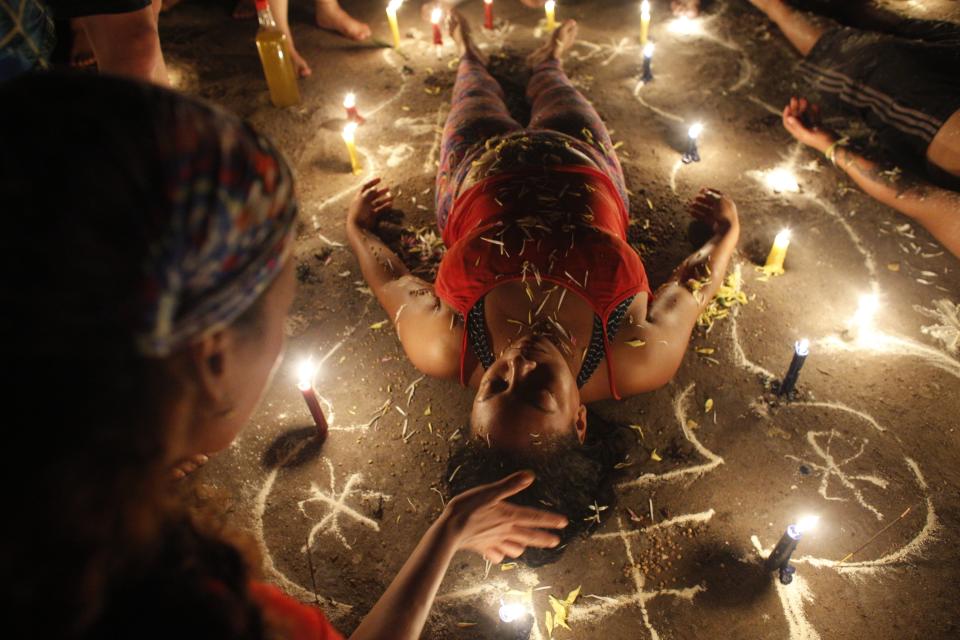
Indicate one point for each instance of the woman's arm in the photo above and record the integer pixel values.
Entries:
(479, 520)
(648, 352)
(429, 330)
(936, 209)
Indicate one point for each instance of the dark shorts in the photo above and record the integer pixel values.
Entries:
(904, 88)
(64, 9)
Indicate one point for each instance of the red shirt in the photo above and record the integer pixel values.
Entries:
(568, 223)
(292, 619)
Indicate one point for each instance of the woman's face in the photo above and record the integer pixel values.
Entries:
(248, 358)
(528, 395)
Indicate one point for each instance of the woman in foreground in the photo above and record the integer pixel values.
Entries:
(152, 281)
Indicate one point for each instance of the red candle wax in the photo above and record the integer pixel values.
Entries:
(310, 397)
(488, 14)
(437, 35)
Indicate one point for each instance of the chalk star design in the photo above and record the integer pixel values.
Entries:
(831, 468)
(640, 596)
(338, 506)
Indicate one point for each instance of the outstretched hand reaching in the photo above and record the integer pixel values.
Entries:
(802, 119)
(369, 203)
(482, 520)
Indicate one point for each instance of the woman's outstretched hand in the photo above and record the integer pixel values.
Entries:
(714, 209)
(481, 520)
(802, 119)
(368, 204)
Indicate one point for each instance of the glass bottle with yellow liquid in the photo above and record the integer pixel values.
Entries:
(274, 48)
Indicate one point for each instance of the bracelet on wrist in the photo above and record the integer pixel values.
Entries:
(831, 151)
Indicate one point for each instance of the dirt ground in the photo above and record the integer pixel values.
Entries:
(873, 433)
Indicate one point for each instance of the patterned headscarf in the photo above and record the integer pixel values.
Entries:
(225, 233)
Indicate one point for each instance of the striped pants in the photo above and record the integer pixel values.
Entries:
(904, 87)
(478, 113)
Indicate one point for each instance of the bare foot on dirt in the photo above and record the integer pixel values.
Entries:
(331, 16)
(562, 39)
(187, 466)
(460, 32)
(303, 69)
(244, 9)
(81, 51)
(685, 8)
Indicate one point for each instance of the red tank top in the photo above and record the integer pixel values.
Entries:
(566, 223)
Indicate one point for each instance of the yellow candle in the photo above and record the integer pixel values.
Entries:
(778, 254)
(394, 25)
(644, 21)
(349, 136)
(550, 7)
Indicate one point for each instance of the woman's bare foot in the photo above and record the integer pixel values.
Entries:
(331, 16)
(460, 32)
(554, 48)
(187, 466)
(244, 9)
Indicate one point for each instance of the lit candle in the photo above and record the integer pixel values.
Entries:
(647, 62)
(778, 253)
(644, 21)
(349, 137)
(488, 14)
(861, 324)
(550, 7)
(435, 16)
(779, 559)
(801, 349)
(693, 154)
(782, 179)
(514, 605)
(350, 104)
(305, 374)
(394, 25)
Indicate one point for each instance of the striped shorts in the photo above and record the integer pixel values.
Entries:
(905, 89)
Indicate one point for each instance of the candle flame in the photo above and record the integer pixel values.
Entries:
(510, 611)
(807, 523)
(306, 372)
(436, 15)
(861, 324)
(695, 130)
(550, 5)
(394, 5)
(782, 239)
(487, 1)
(645, 8)
(802, 347)
(648, 50)
(349, 132)
(350, 100)
(781, 179)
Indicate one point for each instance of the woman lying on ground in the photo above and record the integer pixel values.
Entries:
(906, 88)
(539, 303)
(153, 281)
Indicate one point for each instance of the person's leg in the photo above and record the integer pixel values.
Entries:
(944, 149)
(280, 11)
(557, 105)
(128, 44)
(801, 33)
(330, 16)
(477, 112)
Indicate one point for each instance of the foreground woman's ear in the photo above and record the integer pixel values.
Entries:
(212, 361)
(581, 424)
